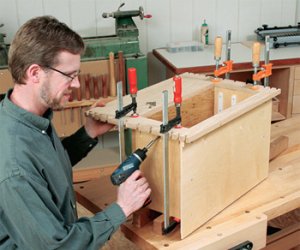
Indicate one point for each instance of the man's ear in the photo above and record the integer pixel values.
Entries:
(33, 73)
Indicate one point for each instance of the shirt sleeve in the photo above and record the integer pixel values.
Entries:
(78, 145)
(34, 221)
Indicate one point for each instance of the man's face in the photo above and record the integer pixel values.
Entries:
(56, 89)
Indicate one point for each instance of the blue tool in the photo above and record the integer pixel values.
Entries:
(131, 164)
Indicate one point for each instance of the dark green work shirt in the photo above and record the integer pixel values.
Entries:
(37, 202)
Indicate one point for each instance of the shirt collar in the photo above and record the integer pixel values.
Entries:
(33, 120)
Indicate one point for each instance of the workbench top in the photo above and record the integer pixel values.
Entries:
(241, 53)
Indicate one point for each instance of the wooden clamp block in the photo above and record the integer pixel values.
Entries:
(221, 152)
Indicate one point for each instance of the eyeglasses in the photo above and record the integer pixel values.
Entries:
(71, 76)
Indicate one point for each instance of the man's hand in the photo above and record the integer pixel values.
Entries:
(96, 128)
(133, 193)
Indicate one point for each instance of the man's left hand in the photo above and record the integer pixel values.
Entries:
(96, 128)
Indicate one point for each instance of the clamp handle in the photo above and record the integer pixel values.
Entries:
(256, 54)
(132, 81)
(218, 47)
(177, 89)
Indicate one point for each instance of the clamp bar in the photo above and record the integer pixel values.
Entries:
(167, 126)
(121, 122)
(169, 224)
(166, 162)
(267, 57)
(228, 51)
(133, 92)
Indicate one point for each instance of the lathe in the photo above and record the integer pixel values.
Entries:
(125, 39)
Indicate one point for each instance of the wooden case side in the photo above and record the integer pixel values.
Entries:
(223, 165)
(229, 114)
(152, 169)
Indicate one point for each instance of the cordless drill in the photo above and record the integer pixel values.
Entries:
(131, 164)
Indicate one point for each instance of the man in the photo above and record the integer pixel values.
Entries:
(37, 203)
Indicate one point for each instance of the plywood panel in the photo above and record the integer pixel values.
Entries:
(152, 167)
(225, 98)
(193, 110)
(226, 171)
(296, 104)
(297, 73)
(297, 87)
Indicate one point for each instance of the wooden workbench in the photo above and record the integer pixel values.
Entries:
(245, 219)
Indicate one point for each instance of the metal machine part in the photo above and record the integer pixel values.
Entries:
(125, 39)
(3, 49)
(280, 36)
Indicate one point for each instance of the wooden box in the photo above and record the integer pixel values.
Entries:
(220, 153)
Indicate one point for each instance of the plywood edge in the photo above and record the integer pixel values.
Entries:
(280, 206)
(231, 233)
(231, 113)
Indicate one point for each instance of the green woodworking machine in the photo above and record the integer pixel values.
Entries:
(125, 40)
(3, 50)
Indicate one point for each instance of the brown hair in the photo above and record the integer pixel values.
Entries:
(39, 41)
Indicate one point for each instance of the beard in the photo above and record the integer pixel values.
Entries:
(53, 103)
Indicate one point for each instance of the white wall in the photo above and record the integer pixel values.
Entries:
(173, 20)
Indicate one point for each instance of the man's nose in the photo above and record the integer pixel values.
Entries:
(75, 82)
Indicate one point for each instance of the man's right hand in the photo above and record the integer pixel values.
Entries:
(133, 193)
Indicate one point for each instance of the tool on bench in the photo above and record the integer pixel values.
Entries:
(226, 66)
(266, 69)
(169, 225)
(280, 36)
(122, 111)
(131, 164)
